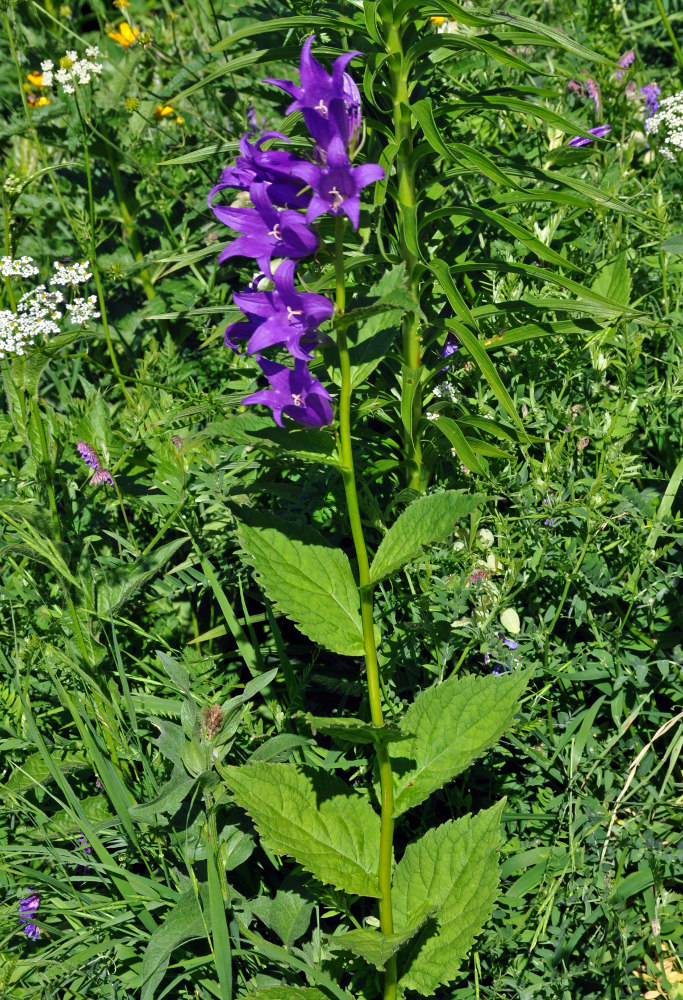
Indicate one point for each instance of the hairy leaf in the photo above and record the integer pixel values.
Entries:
(307, 581)
(451, 725)
(313, 817)
(455, 868)
(426, 520)
(377, 948)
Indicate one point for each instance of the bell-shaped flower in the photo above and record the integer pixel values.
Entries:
(285, 315)
(267, 231)
(330, 103)
(295, 393)
(337, 186)
(281, 170)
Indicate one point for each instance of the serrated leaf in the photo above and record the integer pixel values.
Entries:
(183, 923)
(455, 868)
(352, 730)
(288, 914)
(34, 769)
(377, 948)
(114, 593)
(313, 817)
(426, 520)
(452, 724)
(309, 582)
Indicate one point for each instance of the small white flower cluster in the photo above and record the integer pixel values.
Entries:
(21, 268)
(71, 274)
(72, 71)
(445, 391)
(82, 310)
(670, 115)
(35, 317)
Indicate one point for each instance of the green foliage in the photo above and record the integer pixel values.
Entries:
(309, 582)
(448, 727)
(314, 818)
(454, 866)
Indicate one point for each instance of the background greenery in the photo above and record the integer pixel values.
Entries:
(127, 615)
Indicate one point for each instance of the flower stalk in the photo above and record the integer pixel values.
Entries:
(367, 616)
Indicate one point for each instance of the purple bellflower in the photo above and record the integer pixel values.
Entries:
(278, 168)
(599, 132)
(28, 908)
(450, 346)
(337, 186)
(267, 232)
(330, 104)
(295, 393)
(651, 93)
(284, 316)
(88, 454)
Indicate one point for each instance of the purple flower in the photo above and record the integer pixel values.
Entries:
(330, 104)
(595, 94)
(283, 316)
(599, 132)
(623, 62)
(28, 908)
(651, 93)
(267, 232)
(102, 476)
(282, 171)
(295, 393)
(82, 842)
(510, 643)
(88, 454)
(337, 186)
(575, 87)
(450, 345)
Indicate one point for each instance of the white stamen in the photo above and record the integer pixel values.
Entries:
(321, 107)
(298, 399)
(291, 313)
(275, 231)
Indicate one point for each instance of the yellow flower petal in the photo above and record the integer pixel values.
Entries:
(163, 110)
(126, 35)
(37, 102)
(36, 79)
(121, 4)
(437, 20)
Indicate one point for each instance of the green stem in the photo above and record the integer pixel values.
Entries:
(93, 261)
(367, 618)
(407, 205)
(670, 32)
(129, 223)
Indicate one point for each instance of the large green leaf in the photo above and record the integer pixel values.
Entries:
(451, 725)
(313, 817)
(287, 993)
(350, 730)
(309, 582)
(377, 948)
(288, 914)
(426, 520)
(455, 868)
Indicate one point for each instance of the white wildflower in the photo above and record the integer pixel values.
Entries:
(71, 274)
(74, 72)
(445, 391)
(670, 119)
(21, 268)
(82, 310)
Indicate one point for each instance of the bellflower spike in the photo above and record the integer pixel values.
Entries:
(267, 232)
(330, 104)
(337, 187)
(281, 170)
(295, 393)
(598, 133)
(287, 316)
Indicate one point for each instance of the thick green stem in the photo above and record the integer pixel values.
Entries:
(367, 619)
(407, 206)
(670, 32)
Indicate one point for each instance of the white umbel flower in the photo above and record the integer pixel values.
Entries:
(21, 268)
(669, 119)
(82, 310)
(71, 274)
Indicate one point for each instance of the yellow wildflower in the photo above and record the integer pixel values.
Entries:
(126, 35)
(180, 120)
(35, 79)
(37, 102)
(121, 4)
(163, 110)
(437, 20)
